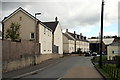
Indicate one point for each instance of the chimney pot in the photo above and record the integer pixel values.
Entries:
(56, 19)
(80, 34)
(74, 32)
(66, 30)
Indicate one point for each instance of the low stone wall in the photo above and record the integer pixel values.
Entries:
(75, 55)
(10, 65)
(44, 57)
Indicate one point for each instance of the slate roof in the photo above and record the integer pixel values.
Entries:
(115, 44)
(51, 25)
(66, 35)
(76, 38)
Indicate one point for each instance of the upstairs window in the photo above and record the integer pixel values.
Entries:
(44, 30)
(31, 35)
(20, 18)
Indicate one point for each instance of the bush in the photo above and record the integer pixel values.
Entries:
(117, 58)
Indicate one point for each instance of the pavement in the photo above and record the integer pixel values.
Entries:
(32, 69)
(70, 68)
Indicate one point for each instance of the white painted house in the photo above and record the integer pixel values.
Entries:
(57, 39)
(31, 29)
(80, 41)
(68, 44)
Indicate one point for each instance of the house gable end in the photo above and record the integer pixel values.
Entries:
(16, 11)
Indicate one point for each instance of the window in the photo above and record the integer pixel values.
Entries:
(31, 35)
(48, 32)
(20, 18)
(44, 30)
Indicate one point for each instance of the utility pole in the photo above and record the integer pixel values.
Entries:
(101, 40)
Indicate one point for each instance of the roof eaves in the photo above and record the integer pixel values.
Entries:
(45, 26)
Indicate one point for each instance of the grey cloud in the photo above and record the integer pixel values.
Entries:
(70, 14)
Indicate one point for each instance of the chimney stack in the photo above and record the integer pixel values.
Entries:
(74, 32)
(66, 30)
(80, 34)
(75, 35)
(56, 19)
(84, 38)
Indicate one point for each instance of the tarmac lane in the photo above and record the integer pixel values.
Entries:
(72, 68)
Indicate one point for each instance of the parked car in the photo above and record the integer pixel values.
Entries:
(98, 55)
(87, 54)
(94, 54)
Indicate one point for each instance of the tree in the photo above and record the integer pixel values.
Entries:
(13, 31)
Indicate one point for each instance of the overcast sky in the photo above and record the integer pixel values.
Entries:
(82, 16)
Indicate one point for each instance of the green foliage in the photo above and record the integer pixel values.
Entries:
(110, 71)
(97, 59)
(117, 59)
(13, 31)
(79, 51)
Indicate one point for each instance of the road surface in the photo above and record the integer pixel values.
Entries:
(71, 67)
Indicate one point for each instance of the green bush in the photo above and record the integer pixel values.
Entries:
(117, 58)
(97, 58)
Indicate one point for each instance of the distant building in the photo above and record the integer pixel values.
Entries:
(80, 41)
(113, 50)
(95, 46)
(96, 42)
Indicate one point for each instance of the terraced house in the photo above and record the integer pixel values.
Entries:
(74, 41)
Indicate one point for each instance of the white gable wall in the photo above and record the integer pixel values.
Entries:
(45, 38)
(68, 45)
(65, 45)
(58, 39)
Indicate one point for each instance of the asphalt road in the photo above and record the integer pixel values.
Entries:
(61, 69)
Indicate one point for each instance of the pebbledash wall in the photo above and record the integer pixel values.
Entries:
(16, 55)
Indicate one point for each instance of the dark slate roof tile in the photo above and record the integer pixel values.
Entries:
(51, 25)
(73, 35)
(68, 36)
